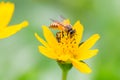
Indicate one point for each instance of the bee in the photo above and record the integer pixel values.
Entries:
(63, 26)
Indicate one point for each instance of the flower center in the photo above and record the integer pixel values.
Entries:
(67, 45)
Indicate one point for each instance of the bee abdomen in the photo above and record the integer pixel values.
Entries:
(54, 25)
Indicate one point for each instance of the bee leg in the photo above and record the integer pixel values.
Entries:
(58, 36)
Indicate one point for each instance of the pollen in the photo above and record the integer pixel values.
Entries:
(68, 46)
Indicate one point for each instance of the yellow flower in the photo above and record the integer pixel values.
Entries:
(6, 12)
(69, 50)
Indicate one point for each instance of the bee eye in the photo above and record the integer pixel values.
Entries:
(72, 31)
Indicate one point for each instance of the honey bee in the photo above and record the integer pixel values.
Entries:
(63, 26)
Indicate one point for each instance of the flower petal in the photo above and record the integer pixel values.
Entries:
(90, 42)
(6, 12)
(49, 37)
(81, 66)
(47, 52)
(41, 40)
(12, 30)
(66, 22)
(83, 55)
(79, 31)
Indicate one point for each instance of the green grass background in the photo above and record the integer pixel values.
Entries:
(19, 56)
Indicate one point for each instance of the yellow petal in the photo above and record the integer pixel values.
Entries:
(41, 40)
(90, 42)
(66, 22)
(49, 37)
(87, 54)
(9, 31)
(47, 52)
(79, 31)
(81, 66)
(6, 12)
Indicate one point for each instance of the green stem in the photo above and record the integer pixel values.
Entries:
(65, 67)
(64, 75)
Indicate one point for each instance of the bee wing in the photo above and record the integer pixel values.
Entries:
(53, 20)
(62, 17)
(57, 22)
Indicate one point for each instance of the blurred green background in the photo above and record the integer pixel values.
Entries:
(19, 56)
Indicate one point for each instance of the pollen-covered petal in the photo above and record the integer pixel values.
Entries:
(9, 31)
(41, 40)
(81, 66)
(6, 12)
(87, 54)
(49, 37)
(90, 42)
(78, 27)
(47, 52)
(66, 22)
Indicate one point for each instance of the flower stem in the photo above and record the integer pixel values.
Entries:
(65, 67)
(64, 75)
